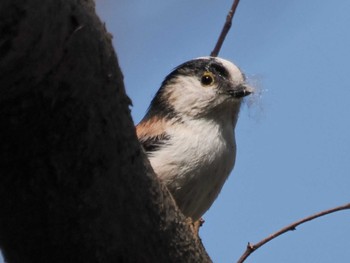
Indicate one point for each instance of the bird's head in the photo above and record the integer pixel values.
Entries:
(200, 87)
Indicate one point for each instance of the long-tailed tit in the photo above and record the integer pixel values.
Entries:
(188, 131)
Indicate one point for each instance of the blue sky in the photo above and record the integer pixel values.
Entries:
(293, 136)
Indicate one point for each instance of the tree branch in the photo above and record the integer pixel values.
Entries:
(75, 185)
(252, 247)
(225, 29)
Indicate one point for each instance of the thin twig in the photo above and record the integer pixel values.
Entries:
(252, 247)
(225, 29)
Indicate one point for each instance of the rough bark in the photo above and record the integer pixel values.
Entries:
(74, 183)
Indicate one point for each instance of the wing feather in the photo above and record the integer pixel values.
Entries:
(152, 134)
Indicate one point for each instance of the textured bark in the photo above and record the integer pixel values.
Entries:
(74, 183)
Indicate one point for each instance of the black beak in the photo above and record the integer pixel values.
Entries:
(240, 91)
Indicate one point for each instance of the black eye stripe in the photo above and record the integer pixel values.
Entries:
(197, 67)
(219, 69)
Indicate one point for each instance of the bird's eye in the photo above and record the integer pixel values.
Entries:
(207, 78)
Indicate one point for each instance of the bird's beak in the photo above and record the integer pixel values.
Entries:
(240, 91)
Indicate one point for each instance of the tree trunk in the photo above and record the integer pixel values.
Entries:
(75, 185)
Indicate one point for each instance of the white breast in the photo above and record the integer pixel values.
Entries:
(196, 163)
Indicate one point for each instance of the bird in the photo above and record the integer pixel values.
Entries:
(188, 131)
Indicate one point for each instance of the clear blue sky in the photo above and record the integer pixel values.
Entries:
(293, 141)
(293, 138)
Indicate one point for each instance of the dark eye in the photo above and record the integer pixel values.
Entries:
(207, 78)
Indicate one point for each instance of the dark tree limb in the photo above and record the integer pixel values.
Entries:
(74, 184)
(225, 29)
(252, 247)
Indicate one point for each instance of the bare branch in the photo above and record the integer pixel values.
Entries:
(225, 29)
(252, 247)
